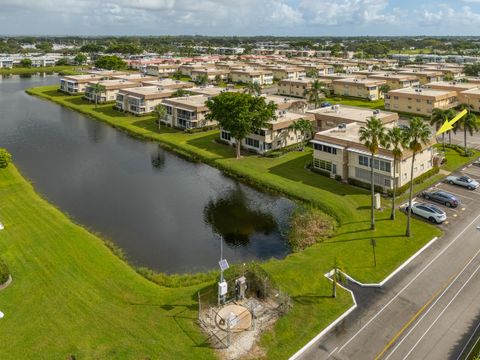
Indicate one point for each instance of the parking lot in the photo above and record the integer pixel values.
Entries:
(469, 199)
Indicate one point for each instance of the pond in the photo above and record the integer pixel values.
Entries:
(166, 213)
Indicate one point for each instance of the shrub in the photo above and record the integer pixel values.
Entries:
(418, 180)
(321, 172)
(308, 226)
(4, 272)
(5, 158)
(365, 185)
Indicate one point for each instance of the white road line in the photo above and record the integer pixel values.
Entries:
(408, 284)
(443, 311)
(468, 342)
(431, 306)
(333, 351)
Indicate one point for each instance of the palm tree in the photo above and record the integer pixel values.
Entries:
(450, 114)
(417, 135)
(317, 92)
(372, 136)
(437, 119)
(97, 90)
(395, 139)
(337, 277)
(304, 127)
(468, 123)
(161, 111)
(253, 88)
(385, 88)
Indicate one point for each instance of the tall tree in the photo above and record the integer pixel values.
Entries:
(317, 92)
(417, 136)
(468, 123)
(437, 119)
(161, 111)
(304, 127)
(201, 80)
(395, 139)
(80, 59)
(98, 89)
(385, 88)
(338, 276)
(240, 114)
(372, 136)
(253, 88)
(111, 62)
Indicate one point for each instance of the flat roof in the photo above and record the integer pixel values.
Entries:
(191, 102)
(423, 92)
(135, 77)
(352, 113)
(285, 119)
(116, 84)
(474, 91)
(366, 81)
(83, 78)
(149, 92)
(303, 80)
(211, 90)
(395, 76)
(348, 133)
(167, 82)
(446, 85)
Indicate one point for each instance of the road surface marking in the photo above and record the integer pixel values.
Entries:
(408, 284)
(333, 351)
(442, 291)
(442, 312)
(468, 342)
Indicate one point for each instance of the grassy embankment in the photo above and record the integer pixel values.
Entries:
(65, 70)
(300, 274)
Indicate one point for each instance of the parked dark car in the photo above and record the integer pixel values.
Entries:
(325, 104)
(442, 197)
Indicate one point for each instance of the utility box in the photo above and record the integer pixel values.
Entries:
(378, 201)
(222, 288)
(241, 287)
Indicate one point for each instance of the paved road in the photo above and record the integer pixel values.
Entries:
(427, 311)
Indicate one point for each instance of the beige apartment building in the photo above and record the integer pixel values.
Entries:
(420, 101)
(470, 97)
(396, 81)
(76, 84)
(186, 69)
(361, 88)
(297, 88)
(135, 77)
(248, 76)
(211, 73)
(141, 100)
(187, 112)
(339, 152)
(423, 76)
(287, 72)
(110, 90)
(168, 83)
(335, 115)
(161, 70)
(452, 86)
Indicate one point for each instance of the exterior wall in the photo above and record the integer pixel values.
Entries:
(268, 139)
(288, 89)
(356, 90)
(262, 79)
(471, 99)
(72, 87)
(347, 165)
(175, 117)
(417, 105)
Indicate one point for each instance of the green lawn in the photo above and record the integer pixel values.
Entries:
(455, 160)
(377, 104)
(65, 69)
(71, 295)
(300, 274)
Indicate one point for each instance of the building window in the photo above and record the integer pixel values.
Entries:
(225, 135)
(252, 142)
(325, 148)
(377, 163)
(322, 164)
(422, 167)
(169, 110)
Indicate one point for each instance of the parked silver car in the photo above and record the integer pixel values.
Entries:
(428, 211)
(464, 181)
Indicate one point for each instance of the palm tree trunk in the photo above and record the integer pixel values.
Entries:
(465, 139)
(392, 215)
(409, 213)
(450, 137)
(334, 284)
(372, 211)
(238, 142)
(443, 141)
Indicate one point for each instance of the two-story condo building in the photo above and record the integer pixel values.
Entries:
(420, 101)
(396, 81)
(452, 86)
(161, 70)
(249, 75)
(110, 88)
(298, 87)
(423, 76)
(187, 112)
(361, 88)
(211, 74)
(76, 84)
(339, 152)
(168, 83)
(141, 100)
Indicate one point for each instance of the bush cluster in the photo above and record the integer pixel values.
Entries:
(418, 180)
(4, 272)
(5, 158)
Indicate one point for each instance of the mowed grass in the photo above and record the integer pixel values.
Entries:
(71, 296)
(455, 160)
(300, 274)
(64, 69)
(376, 104)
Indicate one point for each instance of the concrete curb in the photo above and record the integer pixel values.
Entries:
(354, 306)
(6, 283)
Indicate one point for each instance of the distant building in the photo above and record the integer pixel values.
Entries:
(420, 101)
(187, 112)
(141, 100)
(111, 88)
(76, 84)
(361, 88)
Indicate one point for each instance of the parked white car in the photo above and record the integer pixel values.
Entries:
(428, 211)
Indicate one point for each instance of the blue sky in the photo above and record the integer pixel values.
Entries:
(240, 17)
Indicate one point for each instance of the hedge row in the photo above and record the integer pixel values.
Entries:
(4, 272)
(418, 180)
